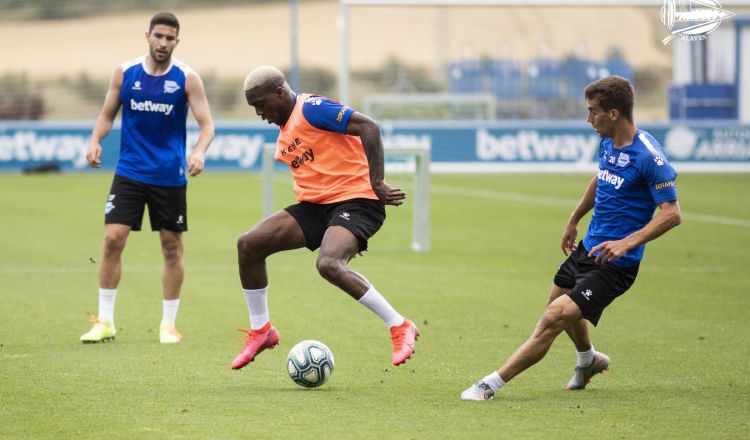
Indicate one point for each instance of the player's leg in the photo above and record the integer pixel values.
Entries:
(578, 331)
(110, 269)
(167, 210)
(559, 315)
(276, 233)
(338, 247)
(279, 232)
(123, 213)
(172, 278)
(351, 224)
(566, 278)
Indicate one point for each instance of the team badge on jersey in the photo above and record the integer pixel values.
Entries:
(137, 85)
(314, 100)
(170, 86)
(623, 160)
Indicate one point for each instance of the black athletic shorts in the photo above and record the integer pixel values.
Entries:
(593, 286)
(167, 205)
(362, 217)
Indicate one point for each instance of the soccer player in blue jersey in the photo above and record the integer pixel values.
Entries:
(155, 91)
(634, 178)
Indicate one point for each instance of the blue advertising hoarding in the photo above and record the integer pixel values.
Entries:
(456, 146)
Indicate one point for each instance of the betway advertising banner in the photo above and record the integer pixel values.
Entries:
(456, 147)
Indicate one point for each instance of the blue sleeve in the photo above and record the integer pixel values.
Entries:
(660, 177)
(326, 114)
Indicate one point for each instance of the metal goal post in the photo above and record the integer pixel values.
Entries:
(420, 197)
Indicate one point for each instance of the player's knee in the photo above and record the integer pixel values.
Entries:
(113, 243)
(329, 268)
(172, 251)
(245, 245)
(553, 320)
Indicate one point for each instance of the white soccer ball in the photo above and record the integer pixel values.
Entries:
(310, 363)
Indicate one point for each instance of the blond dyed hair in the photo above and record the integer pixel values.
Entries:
(263, 76)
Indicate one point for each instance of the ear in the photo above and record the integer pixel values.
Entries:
(614, 114)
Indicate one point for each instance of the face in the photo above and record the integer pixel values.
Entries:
(270, 105)
(602, 120)
(161, 42)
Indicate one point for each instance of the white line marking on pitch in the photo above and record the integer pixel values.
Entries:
(550, 201)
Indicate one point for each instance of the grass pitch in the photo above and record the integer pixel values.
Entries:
(677, 339)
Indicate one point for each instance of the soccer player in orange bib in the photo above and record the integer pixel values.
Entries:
(335, 155)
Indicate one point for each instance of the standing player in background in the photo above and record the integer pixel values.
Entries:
(156, 91)
(634, 178)
(335, 155)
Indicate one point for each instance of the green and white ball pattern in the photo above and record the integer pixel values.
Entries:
(310, 363)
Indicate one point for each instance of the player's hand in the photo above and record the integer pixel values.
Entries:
(388, 194)
(94, 155)
(196, 162)
(570, 234)
(610, 251)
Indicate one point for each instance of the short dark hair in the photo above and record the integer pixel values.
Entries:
(165, 18)
(613, 92)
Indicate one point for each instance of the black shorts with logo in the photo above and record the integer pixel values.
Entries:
(593, 286)
(167, 205)
(362, 217)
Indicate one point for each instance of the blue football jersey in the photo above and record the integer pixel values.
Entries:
(326, 114)
(631, 182)
(154, 118)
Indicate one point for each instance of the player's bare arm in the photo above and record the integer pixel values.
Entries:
(104, 121)
(196, 96)
(369, 132)
(571, 228)
(667, 218)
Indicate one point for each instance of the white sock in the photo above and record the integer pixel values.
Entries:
(373, 300)
(585, 358)
(169, 310)
(257, 305)
(494, 381)
(107, 304)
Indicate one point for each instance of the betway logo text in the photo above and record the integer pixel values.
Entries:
(28, 146)
(244, 150)
(530, 145)
(614, 179)
(150, 106)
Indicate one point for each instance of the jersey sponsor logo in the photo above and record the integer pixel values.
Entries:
(663, 185)
(340, 116)
(344, 215)
(306, 156)
(291, 147)
(150, 106)
(170, 86)
(611, 178)
(623, 160)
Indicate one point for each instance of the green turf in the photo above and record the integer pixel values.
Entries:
(678, 339)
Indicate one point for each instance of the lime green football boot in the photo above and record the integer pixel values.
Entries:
(102, 331)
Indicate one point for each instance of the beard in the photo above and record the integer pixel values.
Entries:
(160, 57)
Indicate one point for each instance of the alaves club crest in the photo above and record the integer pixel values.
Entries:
(692, 20)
